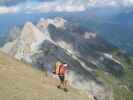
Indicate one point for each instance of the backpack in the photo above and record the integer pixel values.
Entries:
(57, 66)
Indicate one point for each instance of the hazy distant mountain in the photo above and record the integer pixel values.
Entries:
(119, 30)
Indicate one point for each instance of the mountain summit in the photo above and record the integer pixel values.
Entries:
(25, 44)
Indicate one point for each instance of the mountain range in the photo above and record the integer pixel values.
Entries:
(93, 62)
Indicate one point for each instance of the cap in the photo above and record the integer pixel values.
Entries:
(65, 65)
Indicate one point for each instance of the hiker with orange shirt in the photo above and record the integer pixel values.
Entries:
(62, 72)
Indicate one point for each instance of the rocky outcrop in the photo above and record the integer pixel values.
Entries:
(25, 44)
(58, 22)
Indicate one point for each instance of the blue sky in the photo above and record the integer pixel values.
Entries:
(29, 6)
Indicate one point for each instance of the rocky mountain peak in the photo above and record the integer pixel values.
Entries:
(58, 22)
(26, 44)
(31, 33)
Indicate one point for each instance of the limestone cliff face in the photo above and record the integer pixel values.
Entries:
(31, 36)
(26, 43)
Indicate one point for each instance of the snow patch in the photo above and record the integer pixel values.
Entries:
(89, 35)
(58, 22)
(109, 56)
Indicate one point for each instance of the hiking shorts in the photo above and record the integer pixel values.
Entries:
(62, 78)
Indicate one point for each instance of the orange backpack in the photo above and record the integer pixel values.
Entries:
(57, 66)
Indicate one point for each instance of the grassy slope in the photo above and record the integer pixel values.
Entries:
(122, 87)
(18, 81)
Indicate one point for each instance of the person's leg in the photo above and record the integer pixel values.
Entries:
(60, 85)
(61, 82)
(65, 85)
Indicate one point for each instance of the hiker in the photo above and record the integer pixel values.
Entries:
(41, 67)
(62, 72)
(56, 68)
(49, 69)
(66, 76)
(44, 73)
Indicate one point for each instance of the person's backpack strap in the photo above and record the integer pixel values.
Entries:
(60, 69)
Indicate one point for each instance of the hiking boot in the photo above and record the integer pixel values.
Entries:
(65, 89)
(59, 87)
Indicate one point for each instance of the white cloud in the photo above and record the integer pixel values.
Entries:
(64, 5)
(122, 3)
(46, 7)
(50, 6)
(5, 9)
(128, 2)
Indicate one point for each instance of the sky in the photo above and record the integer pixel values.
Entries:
(29, 6)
